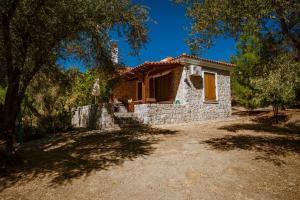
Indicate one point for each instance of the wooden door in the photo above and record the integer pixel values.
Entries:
(209, 86)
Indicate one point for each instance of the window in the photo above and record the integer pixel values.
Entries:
(162, 87)
(209, 87)
(140, 90)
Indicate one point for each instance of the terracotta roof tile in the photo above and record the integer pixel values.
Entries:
(184, 55)
(124, 69)
(147, 64)
(170, 61)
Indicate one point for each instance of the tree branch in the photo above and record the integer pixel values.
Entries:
(34, 110)
(6, 18)
(285, 27)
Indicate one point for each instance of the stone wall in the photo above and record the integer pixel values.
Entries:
(161, 113)
(189, 103)
(92, 117)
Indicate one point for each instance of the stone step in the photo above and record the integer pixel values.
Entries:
(127, 114)
(126, 119)
(120, 109)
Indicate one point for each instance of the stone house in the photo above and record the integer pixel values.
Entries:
(174, 90)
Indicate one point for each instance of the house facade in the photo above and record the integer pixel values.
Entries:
(175, 90)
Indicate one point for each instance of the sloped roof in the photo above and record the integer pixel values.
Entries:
(172, 61)
(147, 64)
(124, 69)
(204, 60)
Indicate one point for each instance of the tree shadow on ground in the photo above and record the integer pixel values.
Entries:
(249, 113)
(270, 119)
(266, 124)
(273, 142)
(78, 153)
(270, 147)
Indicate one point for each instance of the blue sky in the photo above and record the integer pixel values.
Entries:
(167, 37)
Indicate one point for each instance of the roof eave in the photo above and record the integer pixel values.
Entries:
(188, 61)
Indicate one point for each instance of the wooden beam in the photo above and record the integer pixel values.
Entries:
(144, 87)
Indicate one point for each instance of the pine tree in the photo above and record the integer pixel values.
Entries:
(247, 61)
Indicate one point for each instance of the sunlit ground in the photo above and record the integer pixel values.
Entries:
(237, 158)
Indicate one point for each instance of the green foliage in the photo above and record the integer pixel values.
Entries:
(265, 30)
(34, 34)
(247, 58)
(81, 91)
(277, 87)
(51, 101)
(40, 31)
(276, 20)
(247, 61)
(2, 95)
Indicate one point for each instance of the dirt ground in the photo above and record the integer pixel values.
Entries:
(243, 157)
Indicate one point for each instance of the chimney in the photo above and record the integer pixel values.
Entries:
(114, 53)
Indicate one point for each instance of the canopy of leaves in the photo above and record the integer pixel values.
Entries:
(2, 95)
(277, 20)
(278, 87)
(52, 94)
(34, 33)
(247, 63)
(81, 89)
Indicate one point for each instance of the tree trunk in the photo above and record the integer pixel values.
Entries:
(11, 111)
(275, 111)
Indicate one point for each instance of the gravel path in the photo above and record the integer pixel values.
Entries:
(223, 159)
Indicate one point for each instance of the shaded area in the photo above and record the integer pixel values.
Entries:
(264, 116)
(71, 155)
(271, 147)
(197, 81)
(270, 140)
(270, 119)
(242, 113)
(291, 128)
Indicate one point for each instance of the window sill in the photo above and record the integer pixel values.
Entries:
(210, 101)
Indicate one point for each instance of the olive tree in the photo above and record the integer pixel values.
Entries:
(277, 87)
(35, 33)
(277, 21)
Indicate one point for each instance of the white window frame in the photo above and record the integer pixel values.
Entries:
(216, 84)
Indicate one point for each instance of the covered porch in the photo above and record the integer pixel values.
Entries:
(152, 82)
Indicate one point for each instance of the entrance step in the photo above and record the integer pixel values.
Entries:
(126, 119)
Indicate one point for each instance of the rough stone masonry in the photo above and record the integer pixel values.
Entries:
(189, 104)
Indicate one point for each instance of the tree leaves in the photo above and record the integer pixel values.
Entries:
(213, 18)
(277, 87)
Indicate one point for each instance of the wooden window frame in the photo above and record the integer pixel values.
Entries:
(137, 91)
(216, 86)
